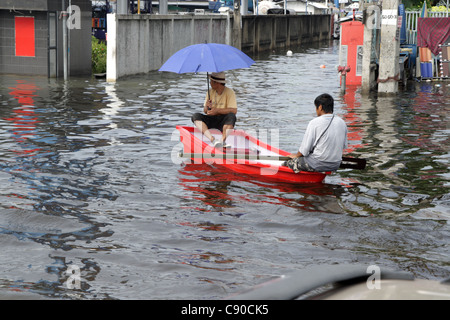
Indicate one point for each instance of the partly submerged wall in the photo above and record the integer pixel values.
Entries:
(142, 43)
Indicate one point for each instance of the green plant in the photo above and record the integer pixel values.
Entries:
(439, 9)
(98, 56)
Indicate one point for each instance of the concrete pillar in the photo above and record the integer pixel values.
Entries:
(229, 31)
(389, 48)
(244, 7)
(65, 42)
(273, 38)
(111, 53)
(122, 7)
(163, 6)
(288, 32)
(237, 29)
(372, 16)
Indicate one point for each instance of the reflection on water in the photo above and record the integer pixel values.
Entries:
(87, 180)
(406, 143)
(352, 117)
(220, 188)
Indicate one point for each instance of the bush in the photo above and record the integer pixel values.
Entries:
(98, 56)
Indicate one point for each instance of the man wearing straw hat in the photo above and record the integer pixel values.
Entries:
(220, 110)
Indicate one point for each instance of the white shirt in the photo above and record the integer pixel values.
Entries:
(327, 155)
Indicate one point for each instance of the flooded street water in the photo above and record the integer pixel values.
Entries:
(87, 181)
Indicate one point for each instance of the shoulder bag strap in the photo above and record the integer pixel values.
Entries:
(312, 150)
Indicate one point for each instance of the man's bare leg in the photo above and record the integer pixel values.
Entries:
(226, 131)
(204, 129)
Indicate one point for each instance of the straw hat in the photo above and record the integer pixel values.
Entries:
(218, 77)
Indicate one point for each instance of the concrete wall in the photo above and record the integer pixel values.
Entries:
(24, 4)
(260, 33)
(142, 43)
(41, 5)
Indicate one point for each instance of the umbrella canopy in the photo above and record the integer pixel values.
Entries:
(207, 57)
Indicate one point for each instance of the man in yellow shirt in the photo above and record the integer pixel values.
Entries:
(220, 110)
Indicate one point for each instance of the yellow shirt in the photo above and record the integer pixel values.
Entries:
(225, 100)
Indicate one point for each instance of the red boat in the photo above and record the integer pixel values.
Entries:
(246, 155)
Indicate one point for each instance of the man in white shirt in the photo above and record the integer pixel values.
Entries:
(324, 141)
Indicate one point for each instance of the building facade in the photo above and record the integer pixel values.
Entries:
(45, 37)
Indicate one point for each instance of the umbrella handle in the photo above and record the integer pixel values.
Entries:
(207, 81)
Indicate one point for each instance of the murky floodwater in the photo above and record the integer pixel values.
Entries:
(87, 181)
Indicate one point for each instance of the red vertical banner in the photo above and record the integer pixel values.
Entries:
(24, 36)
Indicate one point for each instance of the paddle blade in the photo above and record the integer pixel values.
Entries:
(353, 163)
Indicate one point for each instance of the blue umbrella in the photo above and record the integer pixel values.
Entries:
(207, 57)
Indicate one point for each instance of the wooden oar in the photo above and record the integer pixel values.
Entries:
(347, 162)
